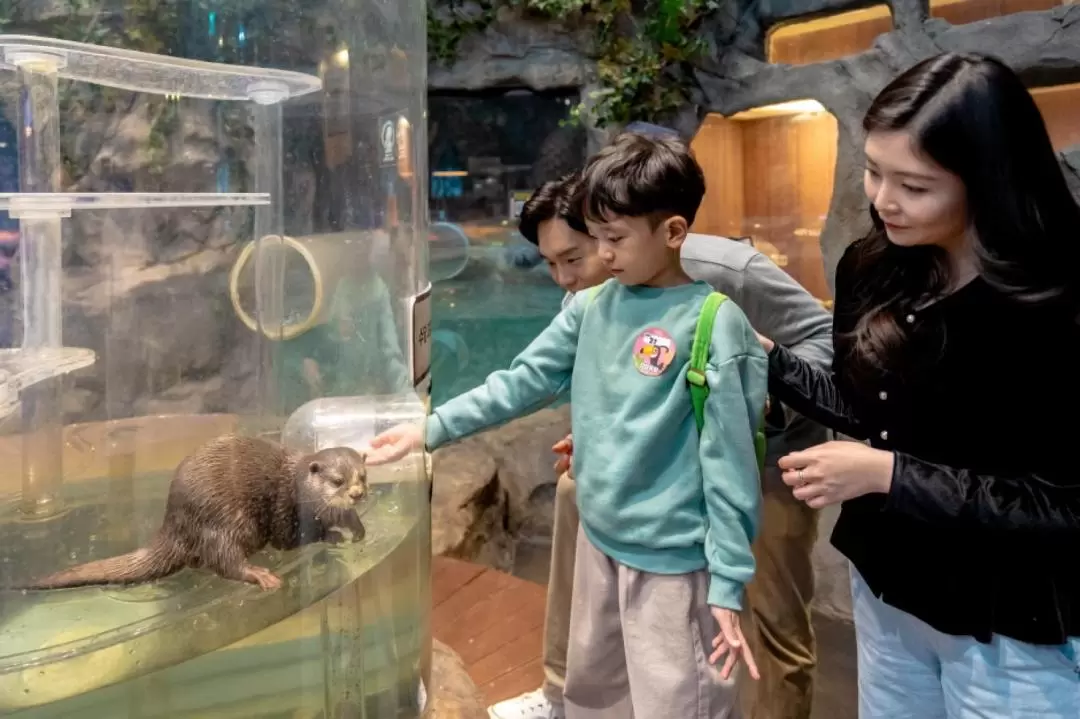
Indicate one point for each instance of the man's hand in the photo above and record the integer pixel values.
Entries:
(730, 641)
(565, 449)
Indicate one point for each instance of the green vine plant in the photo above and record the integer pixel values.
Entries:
(449, 24)
(643, 58)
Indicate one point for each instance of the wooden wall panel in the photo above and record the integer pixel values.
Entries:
(961, 12)
(1060, 107)
(815, 137)
(780, 173)
(827, 38)
(787, 180)
(718, 148)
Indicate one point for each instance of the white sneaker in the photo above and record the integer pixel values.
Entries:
(533, 705)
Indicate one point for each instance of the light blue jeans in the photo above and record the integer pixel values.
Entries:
(908, 670)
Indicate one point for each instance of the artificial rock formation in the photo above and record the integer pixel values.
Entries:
(517, 50)
(469, 513)
(453, 694)
(495, 488)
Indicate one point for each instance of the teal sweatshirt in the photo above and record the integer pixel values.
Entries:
(652, 494)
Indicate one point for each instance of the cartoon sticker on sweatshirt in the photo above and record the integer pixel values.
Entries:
(654, 351)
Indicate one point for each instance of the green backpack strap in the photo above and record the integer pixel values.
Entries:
(695, 375)
(699, 355)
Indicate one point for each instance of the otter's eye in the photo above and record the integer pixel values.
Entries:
(337, 480)
(314, 468)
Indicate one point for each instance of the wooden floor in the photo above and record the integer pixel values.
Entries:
(494, 621)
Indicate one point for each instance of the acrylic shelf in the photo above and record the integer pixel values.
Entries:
(156, 74)
(21, 368)
(62, 203)
(9, 395)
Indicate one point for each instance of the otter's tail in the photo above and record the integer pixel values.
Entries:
(143, 565)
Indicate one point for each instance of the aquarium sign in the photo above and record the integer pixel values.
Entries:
(391, 140)
(420, 337)
(387, 141)
(518, 198)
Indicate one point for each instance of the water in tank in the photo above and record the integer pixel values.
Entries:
(215, 227)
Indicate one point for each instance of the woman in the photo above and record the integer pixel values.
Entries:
(956, 342)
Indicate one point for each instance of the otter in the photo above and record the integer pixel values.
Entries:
(230, 498)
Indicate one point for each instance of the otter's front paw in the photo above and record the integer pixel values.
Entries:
(266, 579)
(338, 535)
(342, 535)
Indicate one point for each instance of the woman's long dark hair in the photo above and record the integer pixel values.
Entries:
(973, 116)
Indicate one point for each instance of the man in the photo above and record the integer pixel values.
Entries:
(782, 589)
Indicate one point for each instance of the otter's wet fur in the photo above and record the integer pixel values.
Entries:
(229, 499)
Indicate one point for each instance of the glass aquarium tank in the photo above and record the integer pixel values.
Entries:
(215, 234)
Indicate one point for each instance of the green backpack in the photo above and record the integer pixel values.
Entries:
(699, 357)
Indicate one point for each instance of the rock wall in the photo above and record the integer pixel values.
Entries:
(147, 289)
(453, 694)
(497, 488)
(517, 50)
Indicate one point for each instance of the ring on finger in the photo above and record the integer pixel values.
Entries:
(802, 480)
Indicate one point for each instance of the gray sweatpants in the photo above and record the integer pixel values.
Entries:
(640, 644)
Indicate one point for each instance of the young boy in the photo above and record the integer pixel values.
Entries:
(667, 516)
(782, 589)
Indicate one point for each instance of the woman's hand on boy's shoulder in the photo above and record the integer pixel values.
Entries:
(731, 642)
(395, 443)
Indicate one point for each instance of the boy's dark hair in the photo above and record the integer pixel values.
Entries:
(638, 176)
(553, 199)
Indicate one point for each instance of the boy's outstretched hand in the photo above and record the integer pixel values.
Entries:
(565, 449)
(395, 443)
(731, 641)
